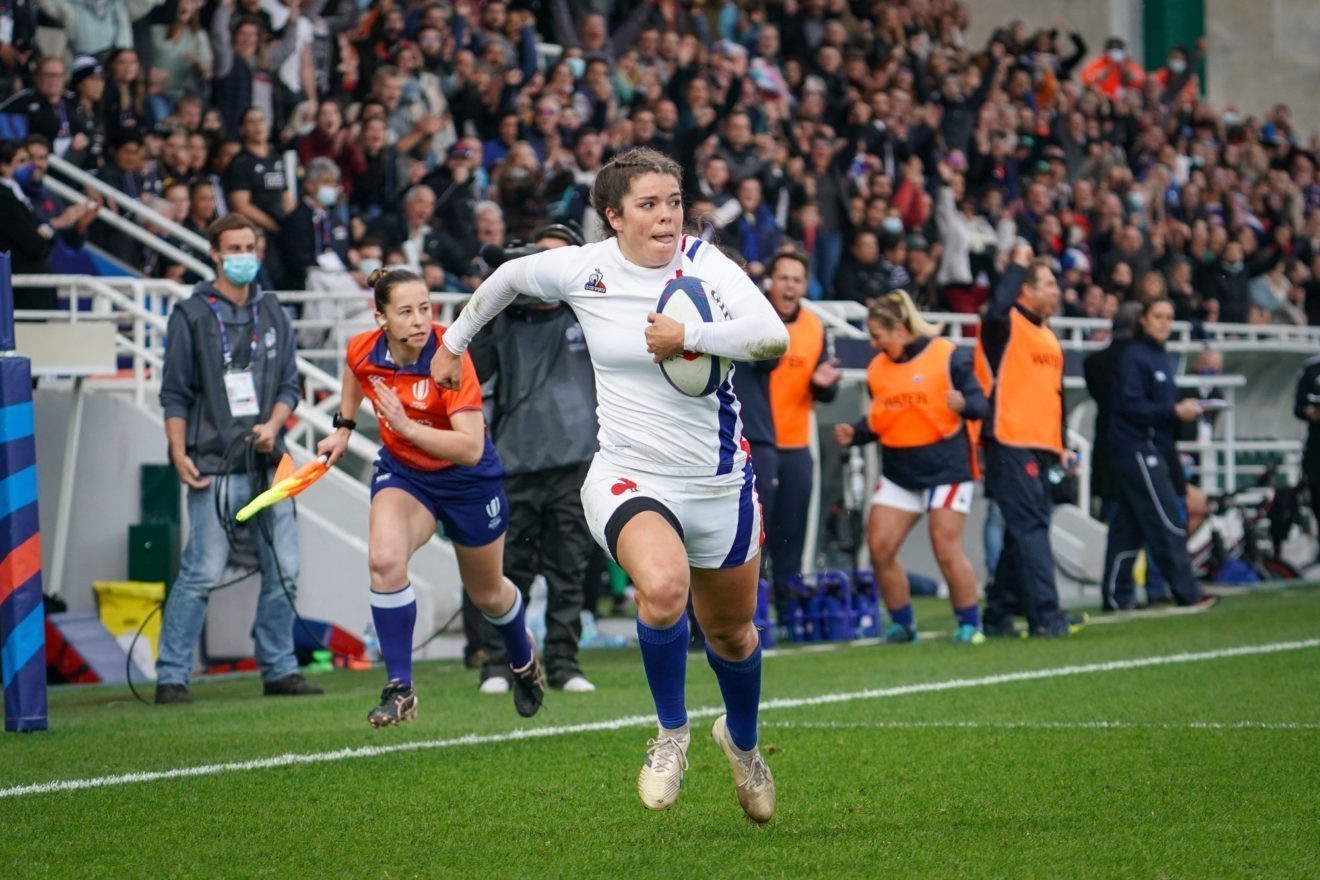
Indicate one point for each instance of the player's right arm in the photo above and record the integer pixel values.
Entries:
(542, 275)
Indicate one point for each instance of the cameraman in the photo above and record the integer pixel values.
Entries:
(543, 422)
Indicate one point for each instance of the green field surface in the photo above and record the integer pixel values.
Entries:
(1151, 745)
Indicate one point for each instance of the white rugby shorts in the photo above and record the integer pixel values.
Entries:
(952, 496)
(718, 518)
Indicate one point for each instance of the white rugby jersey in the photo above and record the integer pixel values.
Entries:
(645, 423)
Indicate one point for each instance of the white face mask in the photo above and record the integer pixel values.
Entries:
(1116, 55)
(1177, 65)
(327, 195)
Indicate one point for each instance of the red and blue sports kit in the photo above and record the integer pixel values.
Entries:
(469, 502)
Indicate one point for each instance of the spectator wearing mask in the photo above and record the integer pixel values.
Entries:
(215, 389)
(1113, 73)
(24, 233)
(69, 221)
(1178, 81)
(312, 236)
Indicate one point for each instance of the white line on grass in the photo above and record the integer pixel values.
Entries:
(1042, 725)
(642, 720)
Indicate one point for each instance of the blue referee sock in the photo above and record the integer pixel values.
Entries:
(664, 657)
(904, 615)
(969, 616)
(394, 615)
(512, 627)
(740, 683)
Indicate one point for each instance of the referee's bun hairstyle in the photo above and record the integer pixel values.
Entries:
(384, 280)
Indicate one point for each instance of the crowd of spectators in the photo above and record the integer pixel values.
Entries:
(874, 137)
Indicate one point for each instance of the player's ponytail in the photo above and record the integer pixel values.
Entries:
(897, 309)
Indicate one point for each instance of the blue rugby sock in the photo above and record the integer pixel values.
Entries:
(394, 615)
(512, 627)
(740, 683)
(969, 616)
(904, 615)
(664, 657)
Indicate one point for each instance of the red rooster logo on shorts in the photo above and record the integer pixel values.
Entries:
(623, 485)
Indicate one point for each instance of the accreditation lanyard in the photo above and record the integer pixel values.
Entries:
(240, 387)
(321, 225)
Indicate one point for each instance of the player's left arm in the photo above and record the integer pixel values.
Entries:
(751, 330)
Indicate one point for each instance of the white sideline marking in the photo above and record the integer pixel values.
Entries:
(643, 720)
(1041, 725)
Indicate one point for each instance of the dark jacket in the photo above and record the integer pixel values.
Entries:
(1144, 396)
(751, 382)
(1098, 368)
(1308, 394)
(304, 235)
(192, 380)
(30, 250)
(544, 405)
(455, 220)
(1231, 288)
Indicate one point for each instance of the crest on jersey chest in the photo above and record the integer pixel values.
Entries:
(595, 282)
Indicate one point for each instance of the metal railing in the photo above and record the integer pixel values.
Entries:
(155, 242)
(143, 213)
(848, 318)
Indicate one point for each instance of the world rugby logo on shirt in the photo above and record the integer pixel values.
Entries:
(420, 389)
(595, 282)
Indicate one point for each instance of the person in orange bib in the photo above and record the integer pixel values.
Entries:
(1020, 365)
(806, 373)
(923, 392)
(437, 465)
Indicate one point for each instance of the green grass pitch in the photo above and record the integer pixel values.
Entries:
(1147, 746)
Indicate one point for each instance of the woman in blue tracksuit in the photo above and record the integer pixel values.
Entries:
(1145, 414)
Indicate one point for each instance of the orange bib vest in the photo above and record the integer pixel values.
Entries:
(790, 382)
(1028, 408)
(908, 400)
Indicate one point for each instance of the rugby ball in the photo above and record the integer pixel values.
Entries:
(686, 299)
